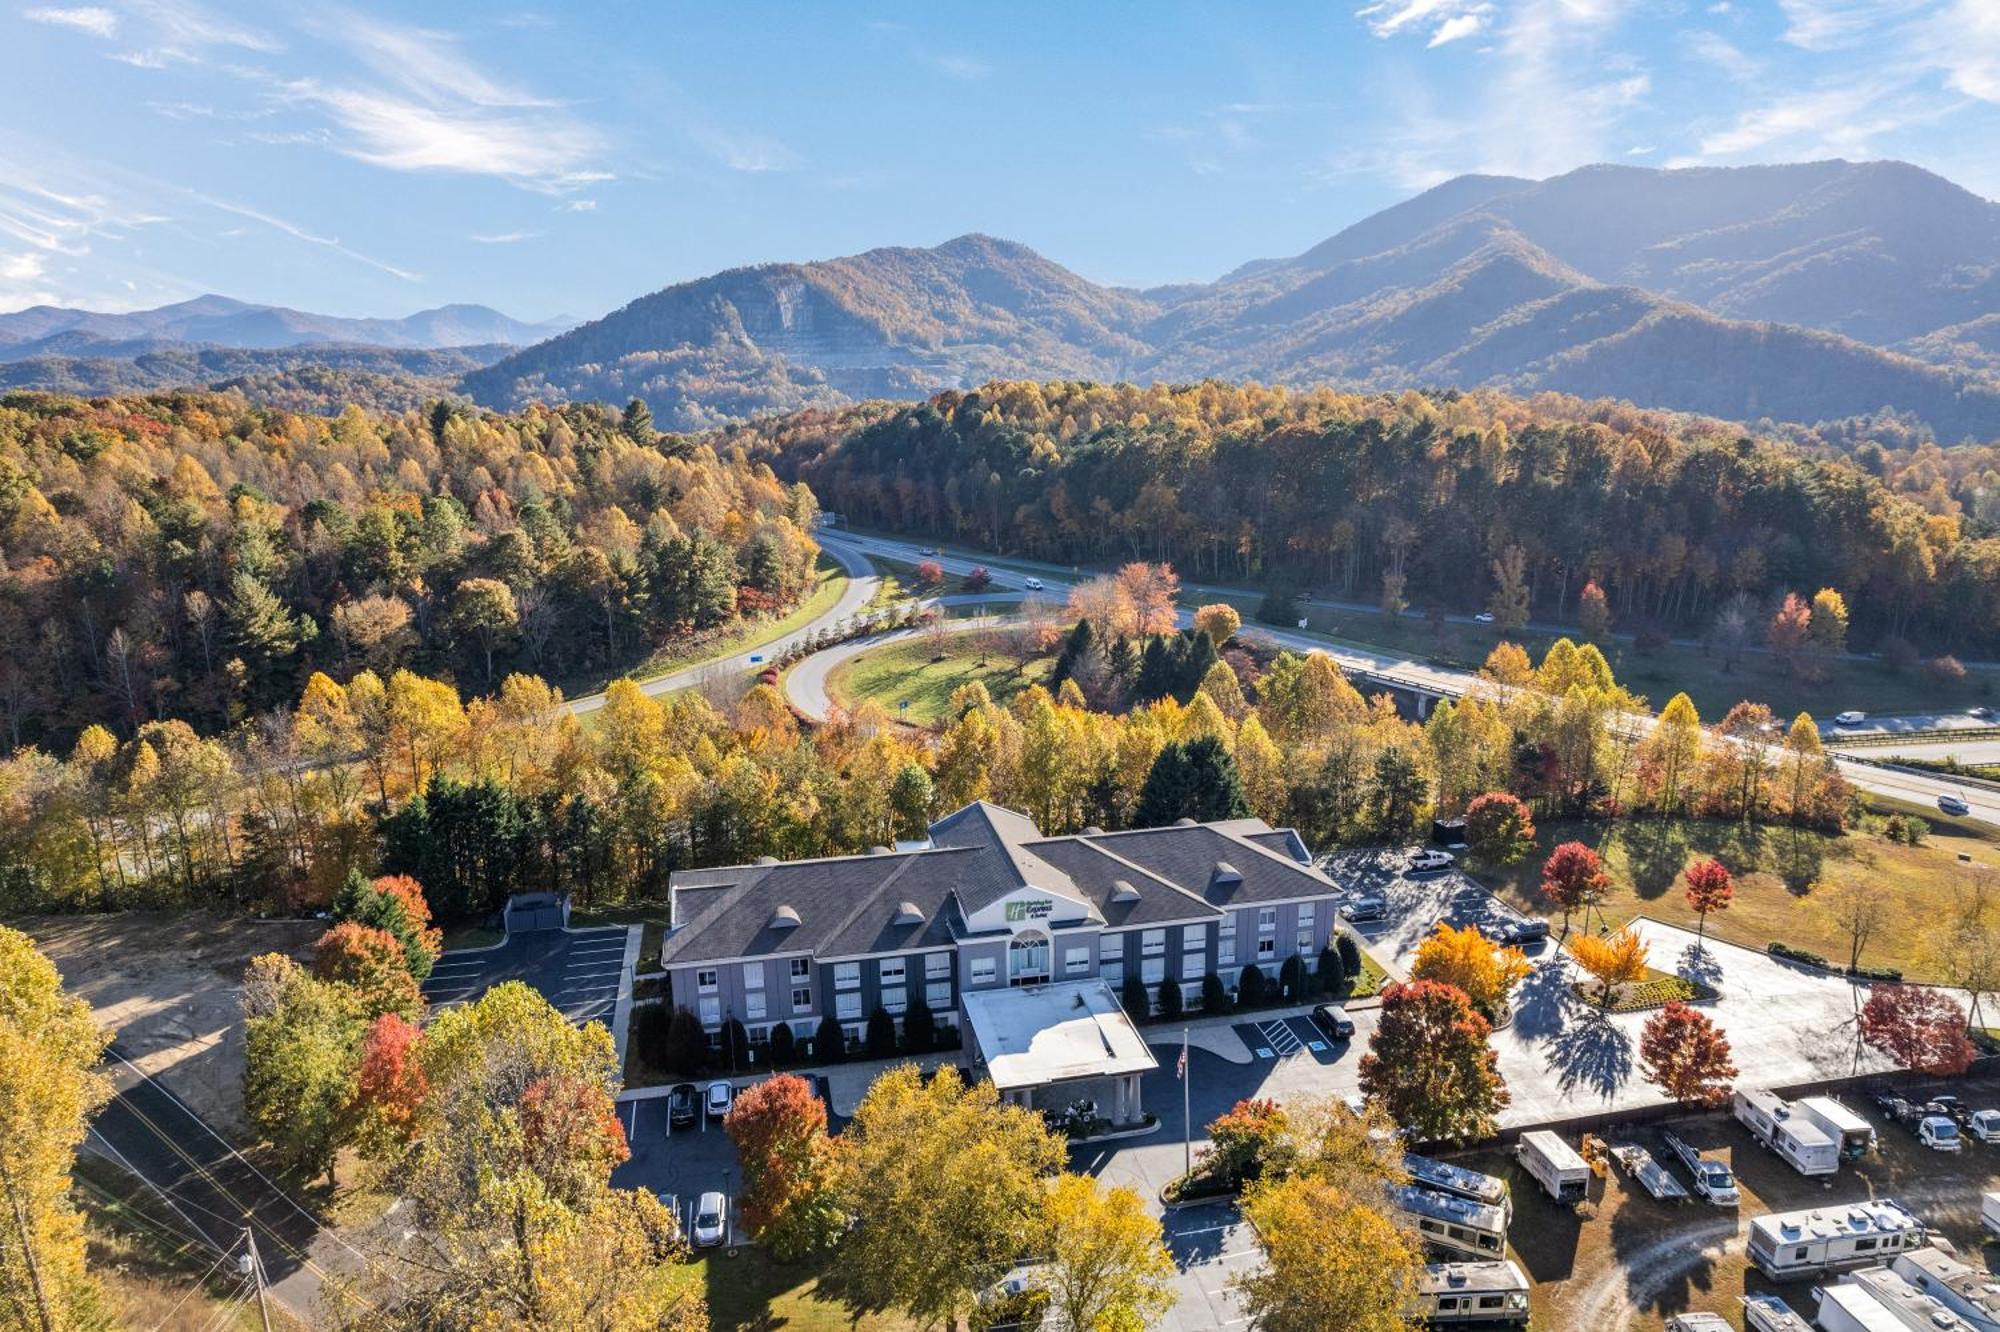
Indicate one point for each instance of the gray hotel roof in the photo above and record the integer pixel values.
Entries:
(852, 905)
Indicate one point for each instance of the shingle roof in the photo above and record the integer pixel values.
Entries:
(850, 905)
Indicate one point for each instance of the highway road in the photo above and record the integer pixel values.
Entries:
(1910, 787)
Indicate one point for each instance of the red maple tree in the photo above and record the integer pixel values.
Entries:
(1573, 878)
(1709, 888)
(1686, 1055)
(1922, 1029)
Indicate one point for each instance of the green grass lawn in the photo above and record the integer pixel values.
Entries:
(1785, 884)
(470, 936)
(925, 676)
(752, 1293)
(731, 639)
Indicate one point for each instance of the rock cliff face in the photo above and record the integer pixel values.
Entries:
(1805, 292)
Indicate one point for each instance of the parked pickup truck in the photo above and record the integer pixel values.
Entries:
(1712, 1179)
(1933, 1122)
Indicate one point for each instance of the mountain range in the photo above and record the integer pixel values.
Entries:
(218, 321)
(1805, 292)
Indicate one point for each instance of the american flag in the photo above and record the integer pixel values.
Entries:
(1180, 1065)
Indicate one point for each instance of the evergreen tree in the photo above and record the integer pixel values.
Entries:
(919, 1026)
(735, 1056)
(1251, 986)
(1398, 792)
(1076, 648)
(881, 1034)
(1332, 971)
(637, 422)
(686, 1049)
(1292, 978)
(784, 1045)
(829, 1042)
(1193, 780)
(1170, 1000)
(1214, 994)
(1136, 998)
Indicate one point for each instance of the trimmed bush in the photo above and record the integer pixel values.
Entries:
(1332, 970)
(1170, 1000)
(920, 1027)
(1137, 999)
(1791, 954)
(829, 1042)
(1214, 994)
(687, 1045)
(650, 1026)
(1292, 978)
(784, 1045)
(881, 1041)
(735, 1046)
(1350, 955)
(1251, 987)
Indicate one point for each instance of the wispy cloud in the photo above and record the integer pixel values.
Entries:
(964, 68)
(578, 206)
(744, 151)
(504, 237)
(88, 18)
(1447, 20)
(297, 232)
(1724, 54)
(1456, 27)
(1822, 25)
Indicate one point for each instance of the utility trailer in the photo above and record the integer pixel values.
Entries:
(1555, 1165)
(1654, 1177)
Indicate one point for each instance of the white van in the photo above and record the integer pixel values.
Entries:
(1555, 1165)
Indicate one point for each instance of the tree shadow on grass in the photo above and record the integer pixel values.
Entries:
(1670, 1263)
(1655, 851)
(1592, 1053)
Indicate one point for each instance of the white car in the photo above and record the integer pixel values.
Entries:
(1484, 617)
(1032, 584)
(1953, 804)
(720, 1096)
(1986, 1125)
(1428, 862)
(1849, 718)
(1940, 1134)
(711, 1220)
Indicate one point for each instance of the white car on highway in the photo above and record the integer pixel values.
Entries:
(1849, 718)
(1953, 804)
(1032, 584)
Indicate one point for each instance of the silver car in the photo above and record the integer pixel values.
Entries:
(711, 1220)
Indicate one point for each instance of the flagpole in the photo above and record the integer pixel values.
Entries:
(1187, 1117)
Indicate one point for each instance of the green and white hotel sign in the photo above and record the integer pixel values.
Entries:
(1029, 908)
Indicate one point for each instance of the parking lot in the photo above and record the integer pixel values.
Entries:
(578, 971)
(1414, 904)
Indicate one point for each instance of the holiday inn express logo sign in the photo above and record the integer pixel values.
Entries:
(1033, 908)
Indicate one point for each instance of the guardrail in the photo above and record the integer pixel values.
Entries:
(1840, 740)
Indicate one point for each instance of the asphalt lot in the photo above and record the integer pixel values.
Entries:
(1415, 903)
(1210, 1244)
(575, 970)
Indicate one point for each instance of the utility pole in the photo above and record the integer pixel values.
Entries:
(257, 1274)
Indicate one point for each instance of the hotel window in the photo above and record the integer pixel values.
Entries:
(801, 968)
(705, 979)
(938, 995)
(1305, 938)
(937, 966)
(1028, 958)
(891, 971)
(1153, 970)
(1193, 937)
(847, 975)
(1305, 914)
(1267, 919)
(894, 1000)
(1225, 941)
(1193, 966)
(1076, 961)
(1153, 943)
(802, 998)
(753, 975)
(983, 970)
(847, 1005)
(1266, 948)
(753, 1005)
(711, 1010)
(1111, 948)
(759, 1035)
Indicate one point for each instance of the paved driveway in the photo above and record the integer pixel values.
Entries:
(1416, 903)
(1211, 1245)
(575, 970)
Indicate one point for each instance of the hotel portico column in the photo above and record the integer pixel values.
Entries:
(1133, 1108)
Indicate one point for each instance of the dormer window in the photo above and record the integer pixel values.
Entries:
(784, 918)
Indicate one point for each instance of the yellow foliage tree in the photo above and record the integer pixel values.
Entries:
(1614, 959)
(1486, 971)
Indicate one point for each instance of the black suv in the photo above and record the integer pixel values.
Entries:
(683, 1105)
(1333, 1022)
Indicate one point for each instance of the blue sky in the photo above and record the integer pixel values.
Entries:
(564, 159)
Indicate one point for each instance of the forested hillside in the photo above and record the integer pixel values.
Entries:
(1412, 499)
(194, 557)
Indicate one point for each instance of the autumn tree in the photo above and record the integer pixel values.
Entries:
(1499, 829)
(1709, 888)
(1613, 959)
(1241, 1140)
(1686, 1056)
(790, 1196)
(1827, 629)
(1785, 636)
(1107, 1265)
(1672, 751)
(1509, 605)
(370, 963)
(946, 1188)
(484, 611)
(1467, 960)
(1508, 664)
(1329, 1261)
(302, 1050)
(1219, 621)
(1429, 1065)
(1922, 1029)
(1573, 878)
(1593, 612)
(389, 1082)
(396, 903)
(49, 1088)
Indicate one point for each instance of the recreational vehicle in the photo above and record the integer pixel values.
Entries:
(1989, 1213)
(1462, 1294)
(1967, 1291)
(1797, 1140)
(1877, 1300)
(1457, 1225)
(1764, 1312)
(1444, 1177)
(1563, 1174)
(1699, 1322)
(1789, 1245)
(1855, 1135)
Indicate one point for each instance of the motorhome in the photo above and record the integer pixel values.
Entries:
(1457, 1225)
(1798, 1141)
(1765, 1312)
(1877, 1300)
(1699, 1322)
(1444, 1177)
(1555, 1165)
(1855, 1135)
(1482, 1294)
(1966, 1290)
(1788, 1245)
(1989, 1213)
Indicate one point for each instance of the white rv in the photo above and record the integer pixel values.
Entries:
(1555, 1165)
(1797, 1140)
(1444, 1177)
(1457, 1225)
(1483, 1294)
(1855, 1135)
(1699, 1322)
(1788, 1245)
(1967, 1291)
(1877, 1300)
(1989, 1213)
(1764, 1312)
